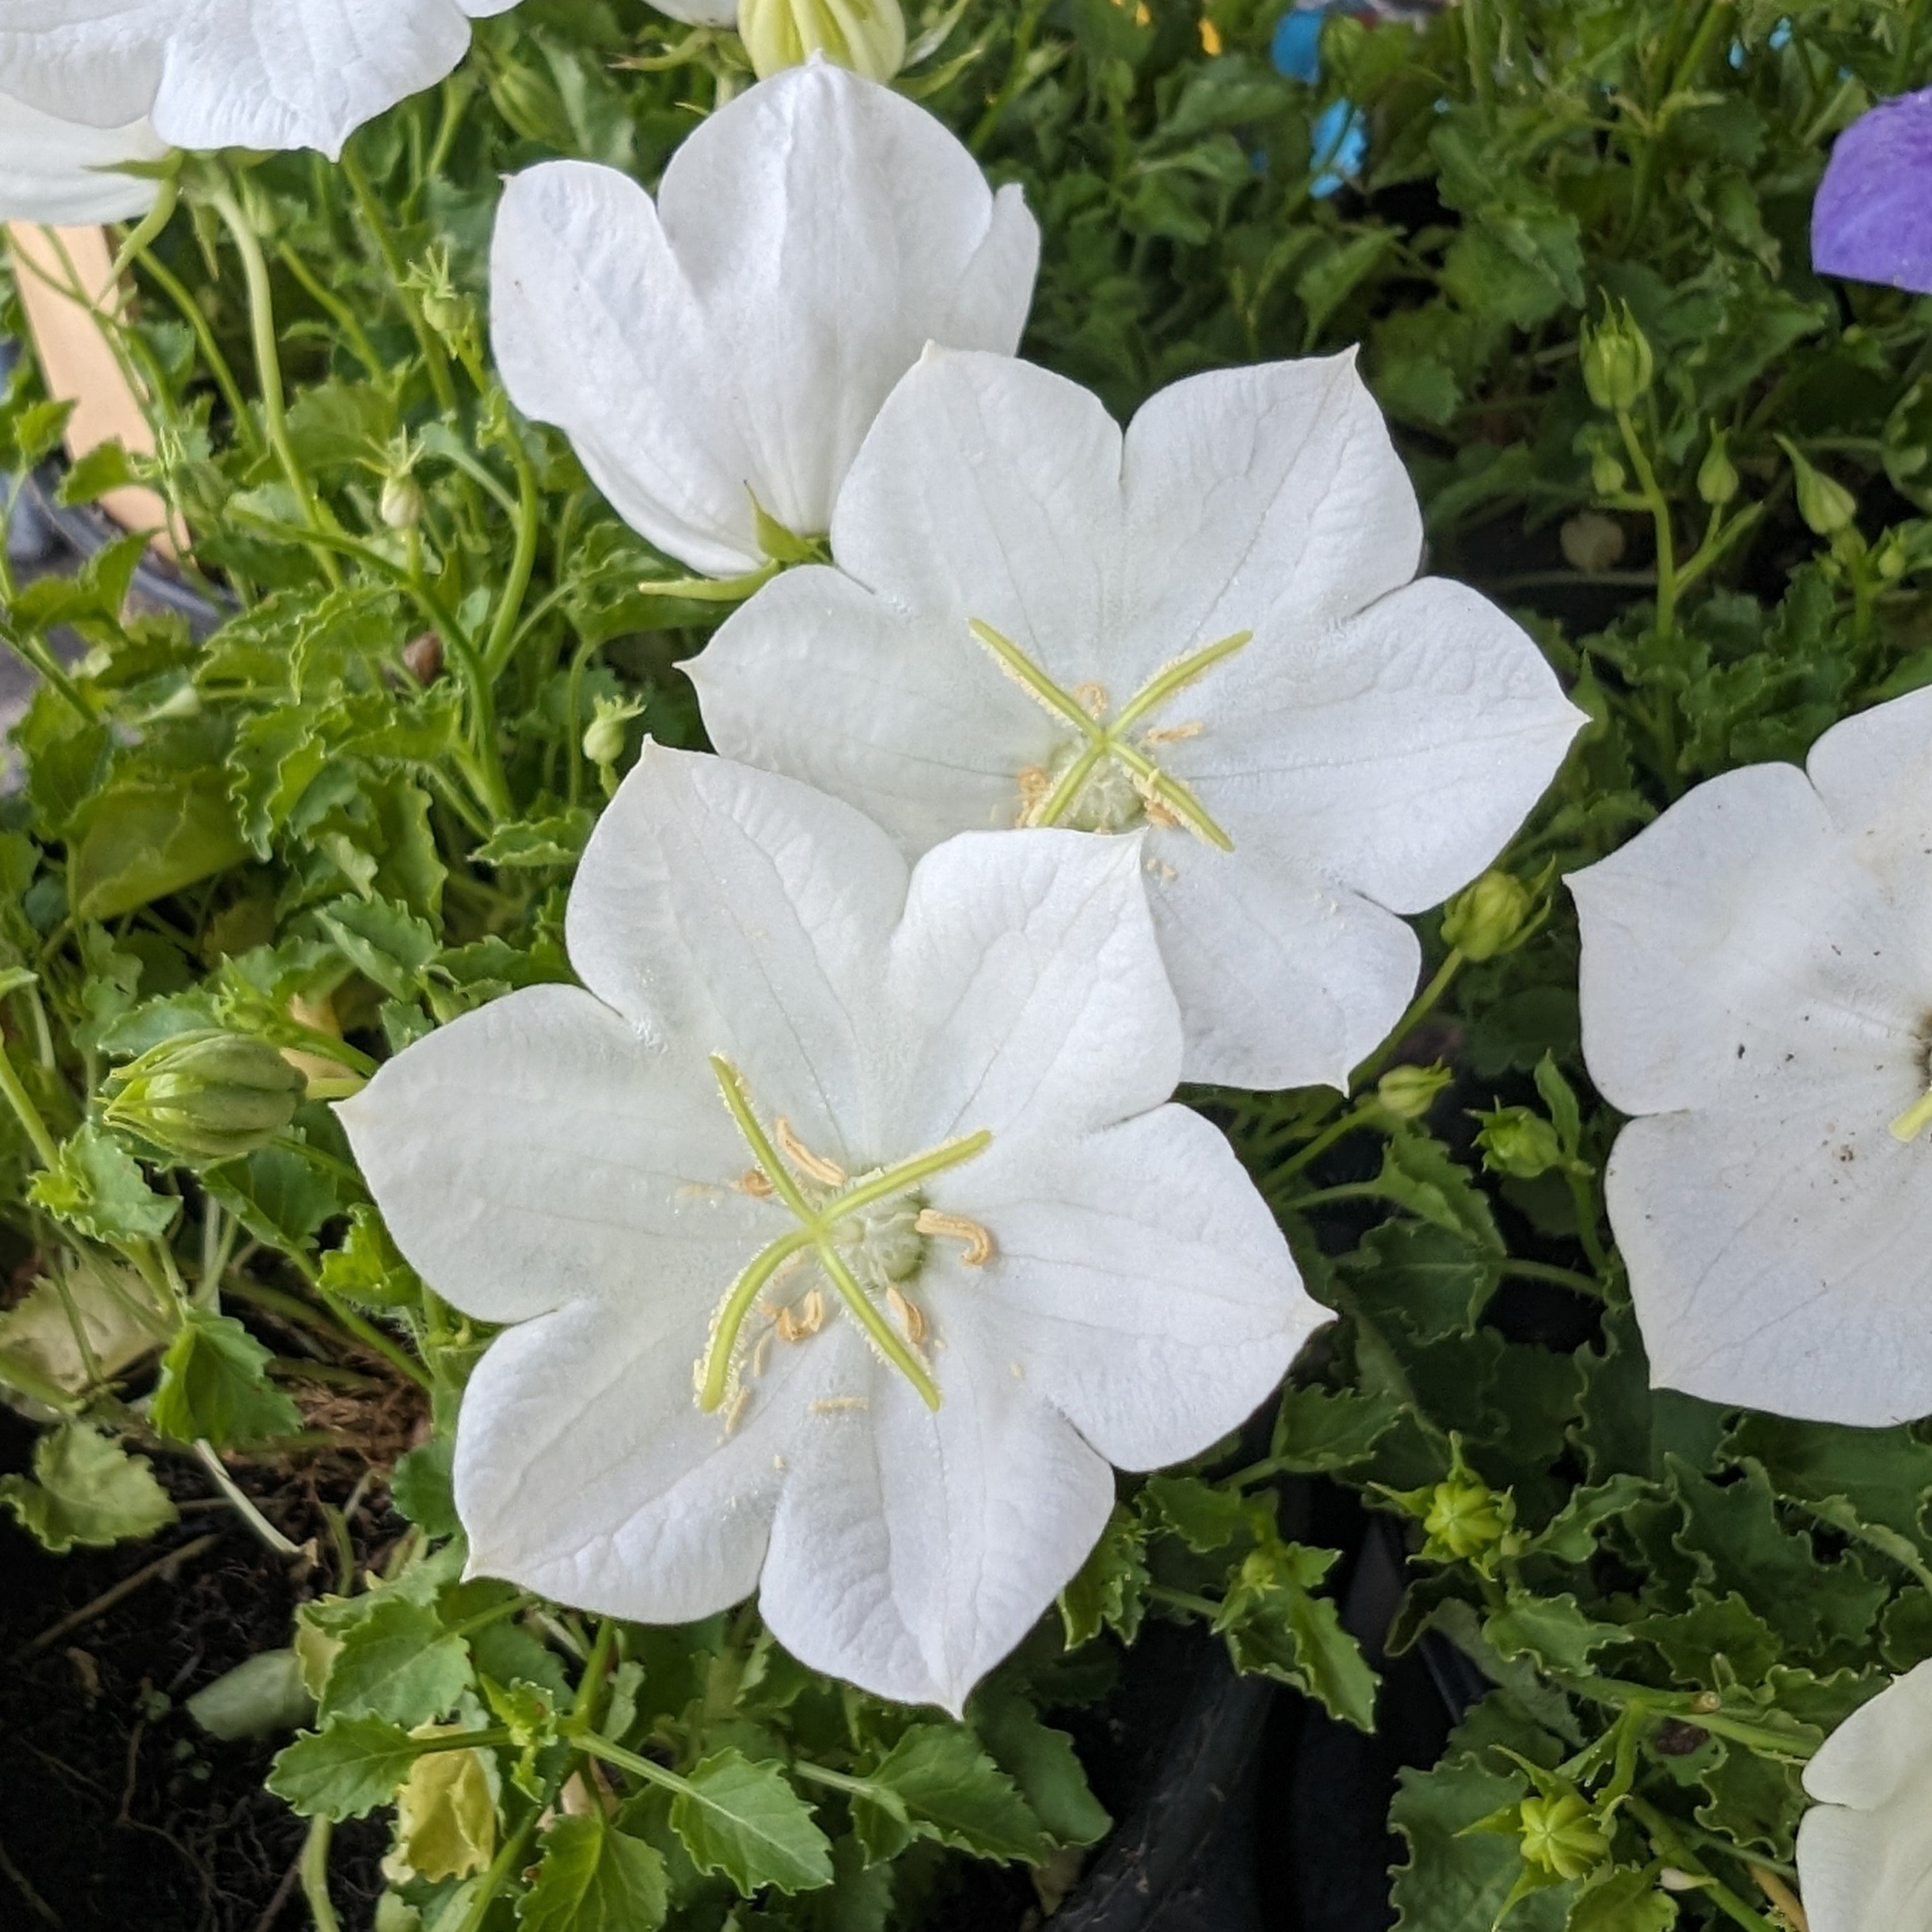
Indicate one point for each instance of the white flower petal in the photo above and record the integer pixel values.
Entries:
(1777, 1256)
(235, 73)
(733, 912)
(1284, 979)
(699, 13)
(1405, 745)
(1883, 1750)
(1138, 1278)
(912, 1549)
(584, 1470)
(1267, 499)
(1868, 767)
(61, 172)
(816, 677)
(1736, 947)
(737, 341)
(1030, 989)
(537, 1152)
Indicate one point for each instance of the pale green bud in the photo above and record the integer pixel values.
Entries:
(1560, 1835)
(1408, 1092)
(1826, 505)
(1607, 475)
(1617, 362)
(402, 505)
(869, 36)
(1518, 1143)
(1487, 917)
(1591, 541)
(207, 1096)
(604, 739)
(1717, 475)
(1465, 1517)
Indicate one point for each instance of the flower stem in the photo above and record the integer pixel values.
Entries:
(171, 286)
(1660, 517)
(529, 526)
(28, 1114)
(315, 1876)
(1671, 1846)
(1423, 1004)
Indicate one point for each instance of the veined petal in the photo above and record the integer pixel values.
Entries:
(537, 1152)
(733, 912)
(584, 1470)
(1267, 499)
(699, 13)
(237, 73)
(1404, 745)
(1777, 1253)
(1870, 221)
(1883, 1750)
(736, 342)
(903, 717)
(912, 1549)
(1029, 988)
(61, 172)
(1139, 1281)
(1737, 948)
(1285, 979)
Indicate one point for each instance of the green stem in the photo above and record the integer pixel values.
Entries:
(503, 1867)
(373, 219)
(1670, 1846)
(529, 527)
(1660, 515)
(315, 1876)
(1358, 1116)
(596, 1667)
(28, 1114)
(483, 1619)
(1183, 1600)
(1562, 1277)
(1422, 1004)
(1585, 1202)
(171, 287)
(338, 310)
(1352, 1190)
(371, 1337)
(269, 364)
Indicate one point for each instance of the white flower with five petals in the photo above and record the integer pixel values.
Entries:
(63, 172)
(232, 74)
(844, 1234)
(1205, 629)
(1864, 1849)
(1757, 987)
(722, 353)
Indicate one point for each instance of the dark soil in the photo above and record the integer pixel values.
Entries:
(117, 1814)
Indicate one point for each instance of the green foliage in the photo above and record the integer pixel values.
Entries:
(85, 1490)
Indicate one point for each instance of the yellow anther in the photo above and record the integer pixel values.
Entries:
(1172, 734)
(906, 1315)
(795, 1324)
(815, 1166)
(978, 1244)
(840, 1405)
(1914, 1121)
(1092, 699)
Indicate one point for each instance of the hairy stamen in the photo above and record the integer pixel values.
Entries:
(956, 1227)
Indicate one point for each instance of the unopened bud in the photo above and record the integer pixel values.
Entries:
(1672, 1879)
(1717, 474)
(1617, 362)
(604, 740)
(529, 102)
(1518, 1143)
(1592, 542)
(1607, 475)
(869, 36)
(207, 1096)
(1826, 505)
(1488, 916)
(1465, 1517)
(1560, 1835)
(402, 506)
(422, 656)
(1408, 1092)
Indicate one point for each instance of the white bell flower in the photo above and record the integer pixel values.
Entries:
(723, 352)
(1756, 986)
(232, 73)
(844, 1235)
(61, 172)
(1205, 630)
(1865, 1850)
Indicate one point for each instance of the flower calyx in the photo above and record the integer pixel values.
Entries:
(869, 1236)
(1463, 1519)
(207, 1096)
(1617, 362)
(868, 36)
(1493, 915)
(1109, 782)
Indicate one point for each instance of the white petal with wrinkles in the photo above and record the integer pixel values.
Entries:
(727, 348)
(61, 171)
(234, 74)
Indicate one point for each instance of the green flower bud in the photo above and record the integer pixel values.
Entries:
(869, 36)
(1591, 541)
(402, 506)
(1487, 917)
(529, 103)
(1717, 474)
(1518, 1143)
(1408, 1092)
(604, 740)
(1607, 475)
(1560, 1836)
(1465, 1517)
(207, 1096)
(1617, 362)
(1826, 505)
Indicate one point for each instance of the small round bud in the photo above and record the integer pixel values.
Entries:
(1607, 475)
(1408, 1092)
(1560, 1835)
(422, 656)
(1672, 1879)
(1706, 1702)
(1826, 505)
(1617, 365)
(604, 740)
(1717, 481)
(869, 36)
(1487, 917)
(207, 1096)
(1465, 1518)
(1592, 542)
(1518, 1143)
(402, 505)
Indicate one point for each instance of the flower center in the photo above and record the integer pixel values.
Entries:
(1107, 781)
(868, 1236)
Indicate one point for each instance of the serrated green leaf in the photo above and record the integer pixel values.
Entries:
(282, 1194)
(385, 942)
(951, 1791)
(1623, 1899)
(86, 1489)
(214, 1386)
(745, 1820)
(1042, 1762)
(398, 1663)
(594, 1878)
(96, 1186)
(146, 837)
(1554, 1629)
(368, 1269)
(1570, 1536)
(1109, 1591)
(344, 1770)
(1420, 1174)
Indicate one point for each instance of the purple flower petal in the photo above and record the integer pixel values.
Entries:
(1872, 221)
